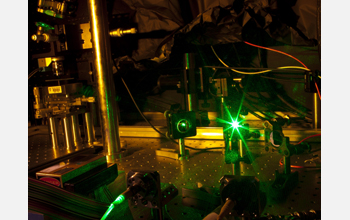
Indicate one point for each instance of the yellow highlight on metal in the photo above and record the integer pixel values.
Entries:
(104, 78)
(315, 111)
(212, 134)
(95, 32)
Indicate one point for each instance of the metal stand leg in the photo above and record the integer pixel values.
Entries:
(316, 113)
(241, 155)
(68, 136)
(89, 130)
(53, 132)
(76, 131)
(182, 147)
(238, 166)
(286, 162)
(104, 78)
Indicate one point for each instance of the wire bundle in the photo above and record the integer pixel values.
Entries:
(59, 203)
(269, 70)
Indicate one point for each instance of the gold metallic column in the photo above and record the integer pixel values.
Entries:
(104, 78)
(37, 103)
(68, 136)
(76, 131)
(89, 130)
(316, 112)
(241, 155)
(53, 132)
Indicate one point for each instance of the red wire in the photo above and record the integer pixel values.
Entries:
(299, 167)
(315, 135)
(266, 48)
(318, 91)
(294, 166)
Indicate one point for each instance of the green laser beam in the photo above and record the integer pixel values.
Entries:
(117, 201)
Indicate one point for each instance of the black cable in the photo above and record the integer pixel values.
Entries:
(256, 109)
(256, 115)
(143, 116)
(286, 107)
(257, 103)
(138, 109)
(268, 104)
(247, 102)
(154, 128)
(273, 93)
(291, 106)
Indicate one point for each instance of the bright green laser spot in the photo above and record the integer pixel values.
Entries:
(235, 124)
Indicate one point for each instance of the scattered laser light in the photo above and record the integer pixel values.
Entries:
(235, 124)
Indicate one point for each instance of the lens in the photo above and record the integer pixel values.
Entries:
(183, 126)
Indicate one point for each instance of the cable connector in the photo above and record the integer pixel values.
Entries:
(120, 32)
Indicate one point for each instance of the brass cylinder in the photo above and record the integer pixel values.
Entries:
(68, 136)
(89, 129)
(104, 78)
(76, 131)
(241, 155)
(37, 102)
(53, 132)
(241, 148)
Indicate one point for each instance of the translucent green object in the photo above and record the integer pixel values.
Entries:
(45, 26)
(49, 13)
(52, 13)
(117, 201)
